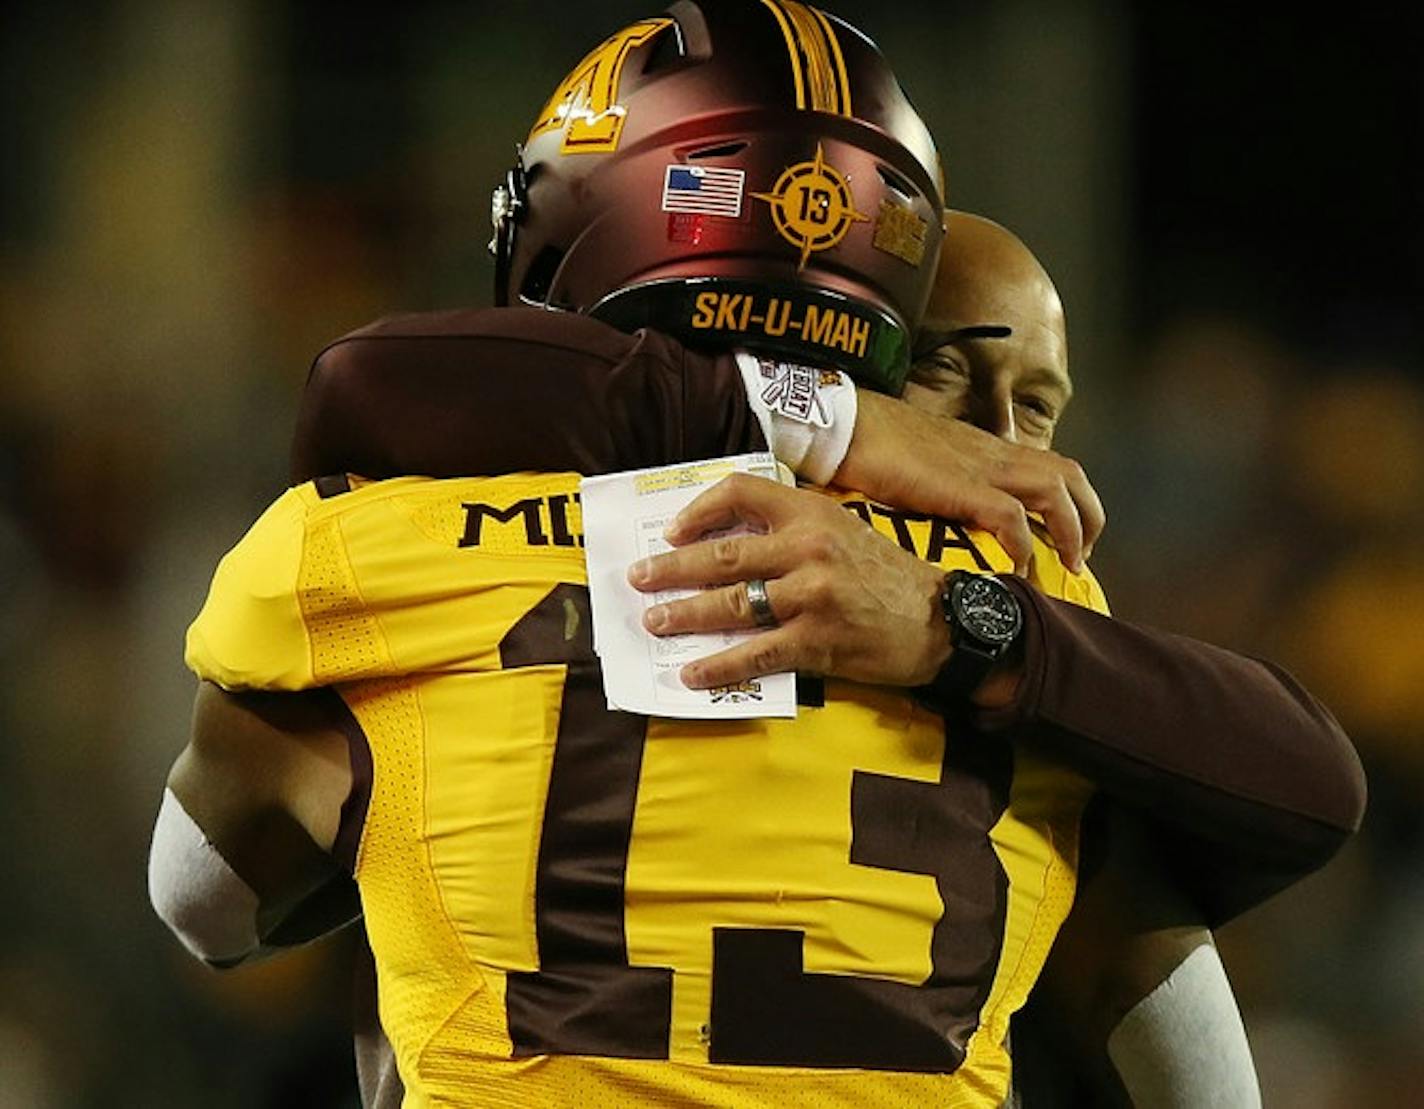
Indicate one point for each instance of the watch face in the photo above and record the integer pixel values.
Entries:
(987, 610)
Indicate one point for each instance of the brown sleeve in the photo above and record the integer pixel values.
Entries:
(1249, 779)
(483, 391)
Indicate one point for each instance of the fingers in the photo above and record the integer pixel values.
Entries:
(960, 472)
(1004, 517)
(1060, 513)
(1059, 490)
(715, 562)
(724, 609)
(772, 652)
(1090, 506)
(740, 498)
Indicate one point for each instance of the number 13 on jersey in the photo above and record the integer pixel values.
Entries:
(759, 893)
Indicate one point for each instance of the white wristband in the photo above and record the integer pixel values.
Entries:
(807, 414)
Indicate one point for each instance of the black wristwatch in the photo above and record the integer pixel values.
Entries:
(985, 619)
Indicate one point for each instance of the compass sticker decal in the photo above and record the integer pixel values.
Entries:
(812, 206)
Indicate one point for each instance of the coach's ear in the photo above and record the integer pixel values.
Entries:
(241, 857)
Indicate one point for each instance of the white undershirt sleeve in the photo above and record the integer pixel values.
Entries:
(1183, 1046)
(195, 892)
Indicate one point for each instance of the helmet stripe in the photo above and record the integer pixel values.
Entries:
(842, 77)
(795, 55)
(820, 71)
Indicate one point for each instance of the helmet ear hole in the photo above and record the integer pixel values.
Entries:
(539, 278)
(898, 183)
(721, 150)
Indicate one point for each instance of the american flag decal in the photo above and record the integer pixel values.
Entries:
(703, 190)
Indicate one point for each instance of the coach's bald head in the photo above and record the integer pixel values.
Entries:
(993, 348)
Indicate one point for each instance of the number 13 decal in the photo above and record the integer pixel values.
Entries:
(586, 998)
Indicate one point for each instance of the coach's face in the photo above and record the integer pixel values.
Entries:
(992, 349)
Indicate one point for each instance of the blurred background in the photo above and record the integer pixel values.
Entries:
(196, 196)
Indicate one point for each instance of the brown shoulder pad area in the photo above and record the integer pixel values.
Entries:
(472, 392)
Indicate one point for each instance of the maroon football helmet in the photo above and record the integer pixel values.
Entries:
(736, 173)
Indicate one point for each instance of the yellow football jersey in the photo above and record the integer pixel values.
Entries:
(570, 905)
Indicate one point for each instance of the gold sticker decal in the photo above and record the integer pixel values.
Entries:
(585, 105)
(812, 206)
(900, 232)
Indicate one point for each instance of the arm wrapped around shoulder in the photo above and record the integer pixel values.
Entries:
(1250, 780)
(497, 390)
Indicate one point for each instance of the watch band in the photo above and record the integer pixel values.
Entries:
(976, 646)
(964, 671)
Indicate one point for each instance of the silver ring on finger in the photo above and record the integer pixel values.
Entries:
(760, 604)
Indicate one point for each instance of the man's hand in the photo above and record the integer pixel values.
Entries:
(912, 460)
(849, 602)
